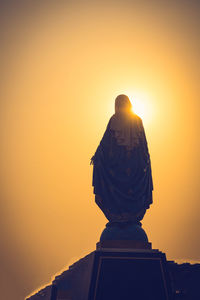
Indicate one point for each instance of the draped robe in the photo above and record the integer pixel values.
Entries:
(122, 178)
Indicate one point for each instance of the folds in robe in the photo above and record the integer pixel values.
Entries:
(122, 178)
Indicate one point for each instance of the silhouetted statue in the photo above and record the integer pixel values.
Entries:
(122, 177)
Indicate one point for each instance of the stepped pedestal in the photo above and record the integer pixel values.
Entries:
(116, 273)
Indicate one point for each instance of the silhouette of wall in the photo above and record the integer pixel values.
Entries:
(184, 281)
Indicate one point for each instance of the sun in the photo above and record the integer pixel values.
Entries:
(141, 105)
(139, 108)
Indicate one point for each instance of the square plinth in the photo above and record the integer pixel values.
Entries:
(129, 275)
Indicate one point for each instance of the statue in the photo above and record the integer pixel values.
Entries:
(122, 177)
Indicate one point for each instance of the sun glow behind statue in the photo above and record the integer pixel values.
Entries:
(142, 106)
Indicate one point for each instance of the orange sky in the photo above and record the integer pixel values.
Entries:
(62, 65)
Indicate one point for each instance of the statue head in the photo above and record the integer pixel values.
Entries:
(122, 104)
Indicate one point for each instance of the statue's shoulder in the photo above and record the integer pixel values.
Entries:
(137, 118)
(111, 118)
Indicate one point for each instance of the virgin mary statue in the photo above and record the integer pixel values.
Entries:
(122, 177)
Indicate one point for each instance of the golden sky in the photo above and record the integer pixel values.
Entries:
(62, 65)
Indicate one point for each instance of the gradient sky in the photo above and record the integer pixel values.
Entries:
(62, 65)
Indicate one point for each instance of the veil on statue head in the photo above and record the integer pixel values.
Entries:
(122, 104)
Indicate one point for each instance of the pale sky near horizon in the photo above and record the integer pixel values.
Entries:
(62, 65)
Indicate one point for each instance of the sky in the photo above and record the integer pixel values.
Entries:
(62, 65)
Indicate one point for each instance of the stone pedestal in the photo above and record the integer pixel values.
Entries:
(115, 274)
(124, 231)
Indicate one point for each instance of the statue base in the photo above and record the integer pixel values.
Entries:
(108, 273)
(124, 231)
(122, 244)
